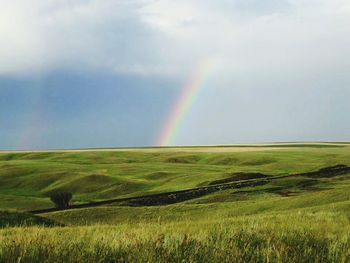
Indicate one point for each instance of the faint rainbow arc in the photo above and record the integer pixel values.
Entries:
(31, 136)
(183, 104)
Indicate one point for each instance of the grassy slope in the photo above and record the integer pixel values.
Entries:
(26, 178)
(11, 219)
(330, 196)
(295, 219)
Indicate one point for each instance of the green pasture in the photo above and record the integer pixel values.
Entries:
(293, 219)
(27, 178)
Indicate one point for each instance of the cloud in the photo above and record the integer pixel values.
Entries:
(290, 40)
(38, 36)
(143, 37)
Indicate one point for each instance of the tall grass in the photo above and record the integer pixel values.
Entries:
(275, 238)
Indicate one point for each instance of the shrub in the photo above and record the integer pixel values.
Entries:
(61, 199)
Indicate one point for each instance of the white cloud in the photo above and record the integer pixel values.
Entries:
(44, 35)
(248, 38)
(297, 39)
(20, 40)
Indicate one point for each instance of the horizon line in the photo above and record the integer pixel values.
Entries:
(258, 144)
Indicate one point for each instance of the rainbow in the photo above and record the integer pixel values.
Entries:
(183, 104)
(34, 128)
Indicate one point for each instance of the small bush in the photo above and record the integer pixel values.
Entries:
(61, 199)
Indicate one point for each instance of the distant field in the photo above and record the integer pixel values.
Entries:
(26, 178)
(294, 219)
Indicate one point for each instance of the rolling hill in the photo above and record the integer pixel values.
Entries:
(299, 211)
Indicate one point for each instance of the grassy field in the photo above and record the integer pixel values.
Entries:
(275, 238)
(294, 219)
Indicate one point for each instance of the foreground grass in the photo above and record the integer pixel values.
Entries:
(306, 237)
(295, 219)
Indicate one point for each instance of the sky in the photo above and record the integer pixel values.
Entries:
(116, 73)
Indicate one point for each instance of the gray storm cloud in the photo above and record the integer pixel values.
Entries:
(170, 37)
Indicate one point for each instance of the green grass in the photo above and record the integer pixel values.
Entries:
(294, 219)
(26, 178)
(12, 219)
(302, 237)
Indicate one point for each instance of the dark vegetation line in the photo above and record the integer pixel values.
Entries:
(183, 195)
